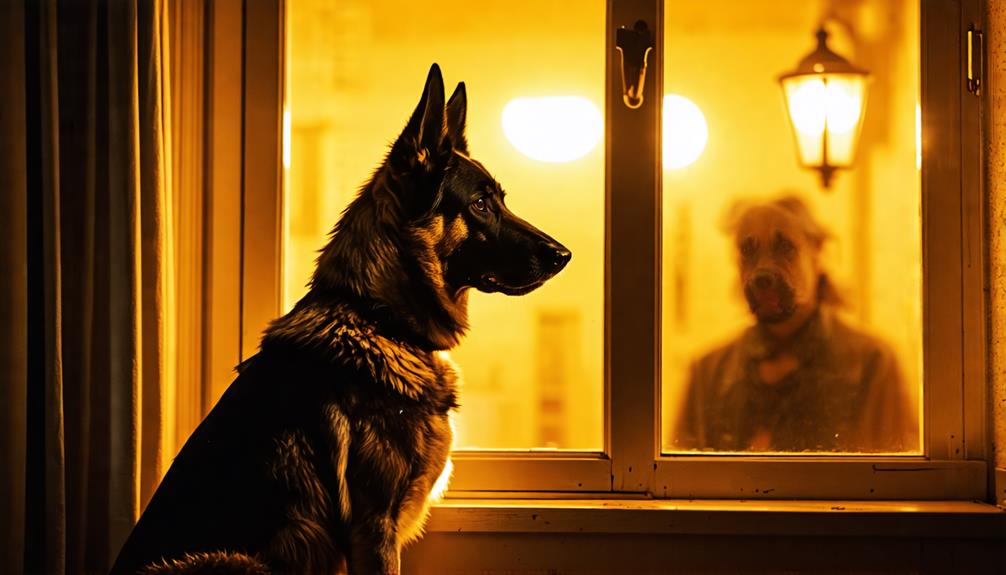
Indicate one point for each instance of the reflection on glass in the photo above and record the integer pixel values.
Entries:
(532, 365)
(791, 315)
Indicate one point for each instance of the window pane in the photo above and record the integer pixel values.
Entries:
(532, 365)
(791, 313)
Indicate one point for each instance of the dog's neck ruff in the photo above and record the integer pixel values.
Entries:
(390, 266)
(339, 335)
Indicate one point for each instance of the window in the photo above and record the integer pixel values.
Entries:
(594, 386)
(532, 366)
(848, 256)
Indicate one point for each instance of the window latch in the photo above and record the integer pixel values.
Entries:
(976, 58)
(634, 46)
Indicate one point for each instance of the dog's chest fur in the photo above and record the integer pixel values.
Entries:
(383, 423)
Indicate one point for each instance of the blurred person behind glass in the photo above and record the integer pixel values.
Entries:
(801, 378)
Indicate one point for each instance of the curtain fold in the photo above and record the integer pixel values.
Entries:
(45, 502)
(93, 404)
(14, 288)
(100, 297)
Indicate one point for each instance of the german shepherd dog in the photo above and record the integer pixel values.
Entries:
(322, 454)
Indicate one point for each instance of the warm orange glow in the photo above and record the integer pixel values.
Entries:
(442, 483)
(286, 138)
(832, 103)
(727, 56)
(553, 128)
(685, 132)
(533, 365)
(444, 480)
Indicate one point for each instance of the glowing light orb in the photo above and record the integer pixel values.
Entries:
(554, 128)
(838, 102)
(685, 132)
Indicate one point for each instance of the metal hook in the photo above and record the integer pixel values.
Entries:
(634, 47)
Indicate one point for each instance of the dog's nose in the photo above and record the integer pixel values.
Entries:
(764, 280)
(558, 257)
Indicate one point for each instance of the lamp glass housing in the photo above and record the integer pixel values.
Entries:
(826, 102)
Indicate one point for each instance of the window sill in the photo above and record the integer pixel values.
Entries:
(916, 519)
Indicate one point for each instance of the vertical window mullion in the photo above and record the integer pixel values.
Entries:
(941, 228)
(974, 352)
(632, 218)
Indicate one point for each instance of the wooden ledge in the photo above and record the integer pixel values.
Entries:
(958, 519)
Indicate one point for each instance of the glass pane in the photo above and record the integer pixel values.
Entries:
(532, 365)
(791, 311)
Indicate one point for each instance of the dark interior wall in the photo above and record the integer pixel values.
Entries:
(13, 283)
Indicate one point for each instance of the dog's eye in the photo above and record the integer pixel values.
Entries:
(480, 204)
(747, 249)
(785, 247)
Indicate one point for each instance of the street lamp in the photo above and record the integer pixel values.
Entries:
(825, 101)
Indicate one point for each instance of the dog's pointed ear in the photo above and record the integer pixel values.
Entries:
(457, 111)
(425, 133)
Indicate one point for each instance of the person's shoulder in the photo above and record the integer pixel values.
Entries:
(723, 352)
(847, 337)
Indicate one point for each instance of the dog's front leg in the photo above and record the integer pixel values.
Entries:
(375, 547)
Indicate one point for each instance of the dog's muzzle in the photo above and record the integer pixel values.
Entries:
(770, 298)
(550, 259)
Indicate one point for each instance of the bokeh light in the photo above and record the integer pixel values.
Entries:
(685, 132)
(553, 128)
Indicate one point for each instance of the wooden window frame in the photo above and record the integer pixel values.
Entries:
(245, 186)
(954, 464)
